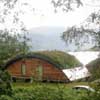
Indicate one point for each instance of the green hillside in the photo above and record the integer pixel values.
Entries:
(95, 64)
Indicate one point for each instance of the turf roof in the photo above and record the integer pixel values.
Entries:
(60, 59)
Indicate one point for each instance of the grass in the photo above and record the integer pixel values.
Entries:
(29, 85)
(44, 91)
(49, 90)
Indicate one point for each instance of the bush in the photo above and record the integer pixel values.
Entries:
(5, 83)
(93, 95)
(5, 97)
(43, 92)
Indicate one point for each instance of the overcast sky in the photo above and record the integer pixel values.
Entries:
(44, 15)
(40, 13)
(37, 13)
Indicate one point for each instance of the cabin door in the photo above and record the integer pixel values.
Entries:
(23, 69)
(39, 72)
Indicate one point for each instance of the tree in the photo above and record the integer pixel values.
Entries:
(70, 5)
(13, 31)
(66, 5)
(86, 32)
(5, 83)
(11, 45)
(12, 13)
(13, 38)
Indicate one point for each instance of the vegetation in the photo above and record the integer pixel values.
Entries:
(93, 95)
(81, 36)
(50, 91)
(94, 68)
(88, 32)
(5, 83)
(42, 91)
(66, 5)
(11, 45)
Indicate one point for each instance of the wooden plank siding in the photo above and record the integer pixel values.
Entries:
(49, 71)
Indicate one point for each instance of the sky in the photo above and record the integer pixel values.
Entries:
(40, 13)
(44, 15)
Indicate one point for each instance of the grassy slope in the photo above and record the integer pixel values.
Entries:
(94, 65)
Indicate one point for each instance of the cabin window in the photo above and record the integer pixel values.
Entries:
(23, 69)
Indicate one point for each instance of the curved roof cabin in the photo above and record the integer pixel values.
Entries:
(43, 66)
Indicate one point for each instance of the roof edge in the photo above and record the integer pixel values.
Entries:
(35, 55)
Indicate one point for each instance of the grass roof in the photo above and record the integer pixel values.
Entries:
(65, 60)
(60, 59)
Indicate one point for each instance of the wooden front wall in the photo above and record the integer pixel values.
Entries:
(49, 71)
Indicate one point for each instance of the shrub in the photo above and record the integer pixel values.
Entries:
(5, 83)
(5, 97)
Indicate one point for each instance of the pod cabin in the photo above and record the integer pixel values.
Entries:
(42, 66)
